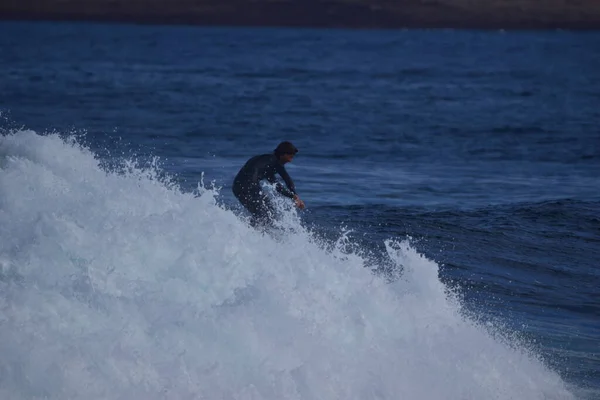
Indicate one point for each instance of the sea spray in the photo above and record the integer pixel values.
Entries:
(117, 284)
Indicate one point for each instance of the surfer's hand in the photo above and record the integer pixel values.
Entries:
(299, 203)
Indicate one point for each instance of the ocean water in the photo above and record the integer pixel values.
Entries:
(449, 248)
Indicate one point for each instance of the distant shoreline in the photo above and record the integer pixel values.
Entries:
(400, 26)
(347, 14)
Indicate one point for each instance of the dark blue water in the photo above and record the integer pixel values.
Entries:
(483, 147)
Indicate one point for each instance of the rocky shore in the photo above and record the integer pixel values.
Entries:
(470, 14)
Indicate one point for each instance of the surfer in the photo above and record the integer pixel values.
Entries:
(246, 185)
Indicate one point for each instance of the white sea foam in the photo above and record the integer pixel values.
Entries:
(120, 286)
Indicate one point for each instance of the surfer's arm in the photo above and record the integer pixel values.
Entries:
(279, 187)
(285, 191)
(290, 191)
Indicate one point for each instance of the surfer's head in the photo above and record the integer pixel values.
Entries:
(285, 152)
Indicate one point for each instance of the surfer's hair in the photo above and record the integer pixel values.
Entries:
(285, 148)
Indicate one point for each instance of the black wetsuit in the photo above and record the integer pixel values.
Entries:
(246, 186)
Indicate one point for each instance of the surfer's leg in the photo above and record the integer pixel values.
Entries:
(257, 205)
(246, 197)
(260, 208)
(264, 212)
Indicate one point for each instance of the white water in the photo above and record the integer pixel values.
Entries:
(117, 286)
